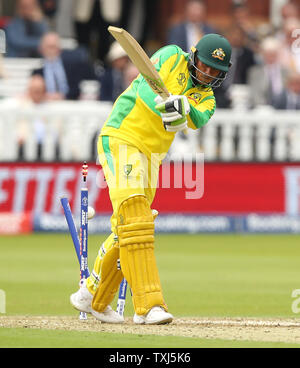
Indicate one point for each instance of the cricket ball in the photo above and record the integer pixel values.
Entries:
(91, 212)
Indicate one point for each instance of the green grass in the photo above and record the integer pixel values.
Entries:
(232, 275)
(202, 275)
(213, 275)
(17, 337)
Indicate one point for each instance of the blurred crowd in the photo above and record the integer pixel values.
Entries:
(265, 58)
(32, 31)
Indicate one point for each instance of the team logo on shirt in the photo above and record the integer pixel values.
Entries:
(181, 79)
(218, 54)
(127, 169)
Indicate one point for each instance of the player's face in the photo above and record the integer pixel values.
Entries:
(206, 73)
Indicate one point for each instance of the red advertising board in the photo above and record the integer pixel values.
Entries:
(228, 188)
(15, 223)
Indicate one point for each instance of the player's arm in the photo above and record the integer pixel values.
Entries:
(180, 112)
(200, 113)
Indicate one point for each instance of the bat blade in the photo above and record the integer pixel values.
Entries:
(141, 60)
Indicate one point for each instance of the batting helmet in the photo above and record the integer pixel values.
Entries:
(213, 50)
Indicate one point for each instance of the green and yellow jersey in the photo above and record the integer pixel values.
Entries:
(134, 117)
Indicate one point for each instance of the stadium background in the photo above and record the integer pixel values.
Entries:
(225, 275)
(251, 175)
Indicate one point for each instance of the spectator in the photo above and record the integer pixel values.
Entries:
(289, 10)
(63, 70)
(290, 97)
(36, 92)
(25, 30)
(113, 80)
(243, 19)
(288, 100)
(91, 19)
(139, 18)
(2, 71)
(290, 48)
(189, 32)
(49, 7)
(35, 97)
(243, 58)
(266, 80)
(130, 73)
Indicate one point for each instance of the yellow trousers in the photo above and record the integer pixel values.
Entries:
(128, 173)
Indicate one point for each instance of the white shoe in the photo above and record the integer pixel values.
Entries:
(82, 299)
(156, 316)
(108, 316)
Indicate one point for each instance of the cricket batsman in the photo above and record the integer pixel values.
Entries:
(133, 141)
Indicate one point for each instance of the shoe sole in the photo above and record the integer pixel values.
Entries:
(103, 320)
(79, 310)
(163, 322)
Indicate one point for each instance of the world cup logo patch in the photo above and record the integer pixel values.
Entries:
(84, 201)
(181, 79)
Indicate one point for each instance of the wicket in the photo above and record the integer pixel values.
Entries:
(71, 225)
(84, 274)
(81, 242)
(122, 298)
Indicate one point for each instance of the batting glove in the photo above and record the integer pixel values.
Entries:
(173, 112)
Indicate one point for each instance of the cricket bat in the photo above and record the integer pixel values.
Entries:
(141, 60)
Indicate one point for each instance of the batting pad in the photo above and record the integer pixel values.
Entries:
(136, 240)
(111, 277)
